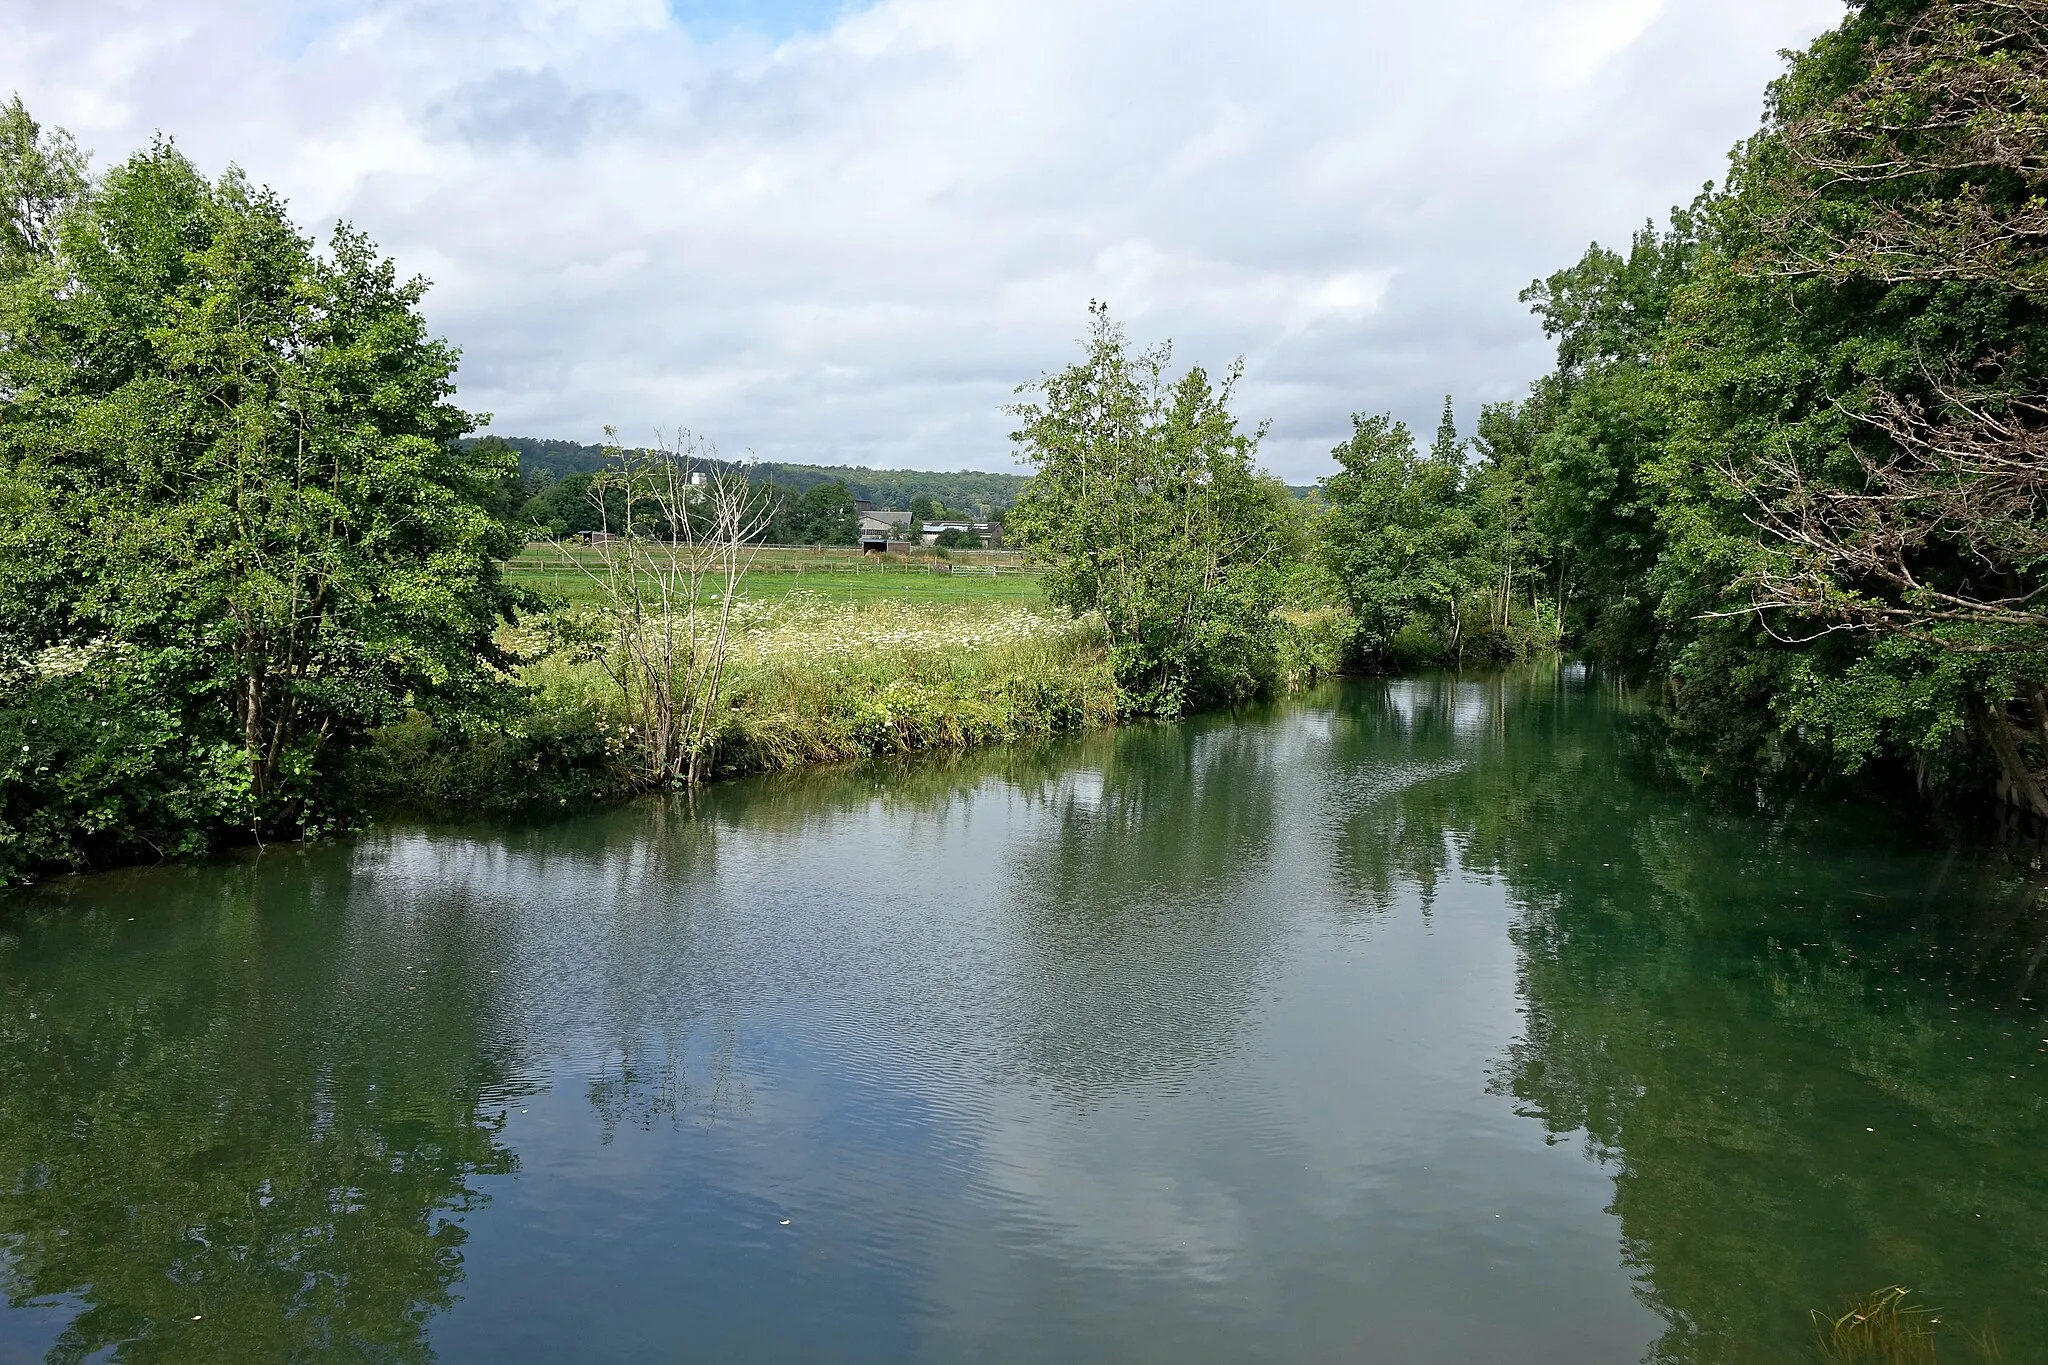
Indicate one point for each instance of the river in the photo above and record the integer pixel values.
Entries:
(1410, 1021)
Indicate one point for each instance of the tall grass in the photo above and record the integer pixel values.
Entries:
(1885, 1328)
(808, 680)
(818, 683)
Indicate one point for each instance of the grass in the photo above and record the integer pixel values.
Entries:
(856, 660)
(562, 574)
(811, 678)
(1884, 1328)
(822, 680)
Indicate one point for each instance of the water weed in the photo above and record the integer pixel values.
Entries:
(1885, 1328)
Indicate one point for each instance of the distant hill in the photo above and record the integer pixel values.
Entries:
(966, 490)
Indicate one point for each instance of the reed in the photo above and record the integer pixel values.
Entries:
(1885, 1328)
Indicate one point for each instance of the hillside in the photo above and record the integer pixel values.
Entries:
(967, 489)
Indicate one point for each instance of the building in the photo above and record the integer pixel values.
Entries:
(988, 534)
(879, 528)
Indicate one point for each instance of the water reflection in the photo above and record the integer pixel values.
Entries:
(1805, 1048)
(229, 1136)
(1411, 1019)
(1134, 968)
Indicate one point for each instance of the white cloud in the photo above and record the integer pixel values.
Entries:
(848, 242)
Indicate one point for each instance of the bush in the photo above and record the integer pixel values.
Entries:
(97, 768)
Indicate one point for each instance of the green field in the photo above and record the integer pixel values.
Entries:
(564, 574)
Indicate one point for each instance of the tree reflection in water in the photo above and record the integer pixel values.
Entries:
(1804, 1043)
(210, 1145)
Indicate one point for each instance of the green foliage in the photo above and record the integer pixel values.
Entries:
(1603, 418)
(560, 507)
(825, 515)
(241, 530)
(1399, 529)
(902, 679)
(1146, 508)
(1433, 553)
(1791, 453)
(1840, 372)
(964, 490)
(41, 176)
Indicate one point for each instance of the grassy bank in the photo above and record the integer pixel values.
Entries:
(812, 679)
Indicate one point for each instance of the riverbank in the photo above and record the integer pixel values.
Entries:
(811, 680)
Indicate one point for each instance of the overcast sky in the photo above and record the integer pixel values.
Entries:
(845, 233)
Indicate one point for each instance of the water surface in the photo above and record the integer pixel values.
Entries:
(1409, 1022)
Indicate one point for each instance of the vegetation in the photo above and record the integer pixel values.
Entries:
(805, 680)
(968, 492)
(1432, 552)
(1789, 461)
(1146, 509)
(1885, 1328)
(824, 516)
(1792, 454)
(238, 536)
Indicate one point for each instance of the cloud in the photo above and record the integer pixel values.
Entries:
(527, 108)
(846, 234)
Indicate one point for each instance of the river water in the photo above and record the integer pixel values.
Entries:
(1410, 1021)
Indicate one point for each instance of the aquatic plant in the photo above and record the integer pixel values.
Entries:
(1885, 1328)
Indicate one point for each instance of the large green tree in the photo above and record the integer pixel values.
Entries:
(1604, 419)
(1147, 508)
(240, 531)
(1854, 478)
(1399, 533)
(825, 515)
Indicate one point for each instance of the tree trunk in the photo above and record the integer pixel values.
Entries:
(2017, 785)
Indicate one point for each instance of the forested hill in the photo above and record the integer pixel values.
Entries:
(967, 489)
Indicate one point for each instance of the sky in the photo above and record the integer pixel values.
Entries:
(845, 233)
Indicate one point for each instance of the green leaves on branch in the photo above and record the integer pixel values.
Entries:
(234, 488)
(1147, 509)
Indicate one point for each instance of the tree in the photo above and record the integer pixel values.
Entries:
(663, 645)
(1146, 507)
(1399, 534)
(1861, 448)
(240, 518)
(1504, 487)
(506, 496)
(1603, 422)
(41, 176)
(825, 515)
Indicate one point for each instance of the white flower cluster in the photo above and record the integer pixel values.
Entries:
(796, 629)
(64, 661)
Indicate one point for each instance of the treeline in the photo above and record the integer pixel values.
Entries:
(544, 507)
(1793, 458)
(974, 493)
(1792, 463)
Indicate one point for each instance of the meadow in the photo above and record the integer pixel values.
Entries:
(562, 574)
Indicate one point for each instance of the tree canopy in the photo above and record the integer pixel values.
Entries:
(241, 532)
(1146, 507)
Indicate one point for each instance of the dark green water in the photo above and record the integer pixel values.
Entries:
(1406, 1023)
